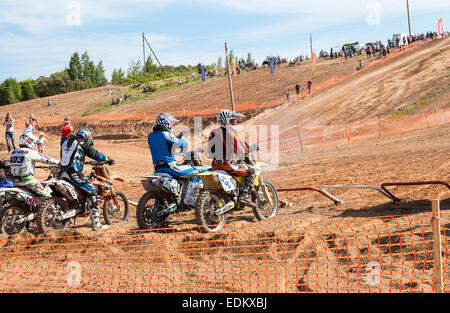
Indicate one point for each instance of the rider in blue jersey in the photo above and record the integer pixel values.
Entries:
(163, 145)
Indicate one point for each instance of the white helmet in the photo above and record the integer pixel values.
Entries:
(225, 116)
(28, 140)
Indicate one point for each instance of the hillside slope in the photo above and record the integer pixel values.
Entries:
(420, 75)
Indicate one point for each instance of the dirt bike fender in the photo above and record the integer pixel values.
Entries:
(117, 178)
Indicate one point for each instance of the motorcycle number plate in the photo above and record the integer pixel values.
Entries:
(226, 183)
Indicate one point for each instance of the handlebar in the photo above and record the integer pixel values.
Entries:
(51, 167)
(97, 163)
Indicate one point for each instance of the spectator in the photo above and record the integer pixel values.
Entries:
(49, 103)
(41, 143)
(66, 130)
(309, 86)
(297, 89)
(288, 95)
(9, 134)
(31, 125)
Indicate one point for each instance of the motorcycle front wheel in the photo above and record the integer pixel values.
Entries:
(113, 213)
(266, 201)
(207, 203)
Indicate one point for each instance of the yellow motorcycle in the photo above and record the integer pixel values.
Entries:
(221, 192)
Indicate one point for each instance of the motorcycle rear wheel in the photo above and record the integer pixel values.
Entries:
(45, 215)
(145, 210)
(7, 217)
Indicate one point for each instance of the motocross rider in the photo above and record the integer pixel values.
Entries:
(73, 154)
(22, 165)
(162, 144)
(223, 143)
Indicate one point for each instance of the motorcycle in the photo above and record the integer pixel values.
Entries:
(152, 210)
(70, 204)
(113, 203)
(221, 193)
(20, 206)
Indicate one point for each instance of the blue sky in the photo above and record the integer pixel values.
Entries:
(38, 37)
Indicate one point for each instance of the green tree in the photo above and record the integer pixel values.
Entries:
(219, 62)
(117, 76)
(10, 91)
(150, 67)
(75, 68)
(88, 68)
(231, 57)
(134, 68)
(28, 89)
(249, 58)
(99, 75)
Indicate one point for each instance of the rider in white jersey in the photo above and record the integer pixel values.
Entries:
(22, 165)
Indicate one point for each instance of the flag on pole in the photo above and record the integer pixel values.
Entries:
(203, 73)
(440, 27)
(234, 68)
(313, 61)
(271, 66)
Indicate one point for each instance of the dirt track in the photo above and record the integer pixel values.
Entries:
(419, 155)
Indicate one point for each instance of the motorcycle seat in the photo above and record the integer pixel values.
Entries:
(223, 172)
(163, 175)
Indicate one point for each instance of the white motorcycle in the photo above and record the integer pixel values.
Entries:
(21, 206)
(153, 210)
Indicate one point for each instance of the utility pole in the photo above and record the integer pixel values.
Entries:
(229, 77)
(145, 38)
(409, 19)
(310, 42)
(143, 49)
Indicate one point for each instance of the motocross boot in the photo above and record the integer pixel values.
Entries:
(95, 216)
(245, 198)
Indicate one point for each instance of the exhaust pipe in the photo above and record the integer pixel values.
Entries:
(27, 218)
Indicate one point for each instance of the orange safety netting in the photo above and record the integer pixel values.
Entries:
(295, 137)
(348, 255)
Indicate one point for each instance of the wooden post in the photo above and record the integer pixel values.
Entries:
(436, 226)
(143, 49)
(426, 117)
(379, 127)
(348, 132)
(229, 77)
(299, 137)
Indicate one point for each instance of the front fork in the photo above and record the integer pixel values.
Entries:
(265, 191)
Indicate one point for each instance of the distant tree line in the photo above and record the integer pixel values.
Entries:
(153, 72)
(81, 74)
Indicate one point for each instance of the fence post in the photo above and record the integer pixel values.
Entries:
(299, 136)
(426, 117)
(436, 226)
(348, 132)
(379, 127)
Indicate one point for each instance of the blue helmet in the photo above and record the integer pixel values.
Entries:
(166, 121)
